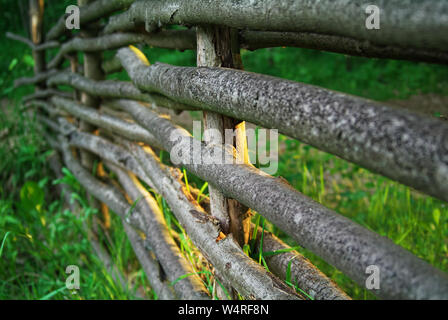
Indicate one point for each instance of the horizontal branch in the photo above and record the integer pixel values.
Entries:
(403, 23)
(107, 88)
(310, 279)
(89, 13)
(112, 65)
(103, 255)
(401, 145)
(253, 40)
(31, 44)
(158, 237)
(46, 106)
(112, 89)
(246, 276)
(150, 265)
(167, 39)
(301, 271)
(157, 233)
(222, 254)
(137, 218)
(341, 242)
(126, 129)
(47, 93)
(40, 77)
(105, 149)
(48, 123)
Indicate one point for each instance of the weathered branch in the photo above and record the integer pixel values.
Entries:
(398, 144)
(113, 89)
(92, 70)
(126, 129)
(246, 276)
(106, 150)
(302, 271)
(112, 65)
(89, 13)
(103, 43)
(43, 94)
(338, 240)
(107, 88)
(404, 23)
(38, 78)
(46, 106)
(201, 229)
(31, 44)
(158, 236)
(309, 278)
(150, 265)
(115, 154)
(253, 40)
(169, 39)
(102, 254)
(49, 123)
(135, 217)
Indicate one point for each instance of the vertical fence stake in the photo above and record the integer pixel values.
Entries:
(92, 70)
(36, 12)
(219, 47)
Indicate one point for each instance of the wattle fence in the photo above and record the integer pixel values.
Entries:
(117, 123)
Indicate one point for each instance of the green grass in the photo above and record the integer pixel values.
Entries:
(40, 237)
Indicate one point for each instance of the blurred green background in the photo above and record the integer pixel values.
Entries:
(39, 236)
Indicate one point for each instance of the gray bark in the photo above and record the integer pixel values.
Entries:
(253, 281)
(105, 89)
(303, 272)
(398, 144)
(341, 242)
(31, 44)
(246, 276)
(47, 93)
(253, 40)
(404, 23)
(160, 240)
(137, 218)
(45, 106)
(131, 131)
(96, 44)
(47, 122)
(37, 79)
(214, 49)
(309, 277)
(150, 265)
(169, 39)
(102, 255)
(112, 65)
(113, 89)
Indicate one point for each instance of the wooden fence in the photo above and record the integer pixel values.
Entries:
(118, 123)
